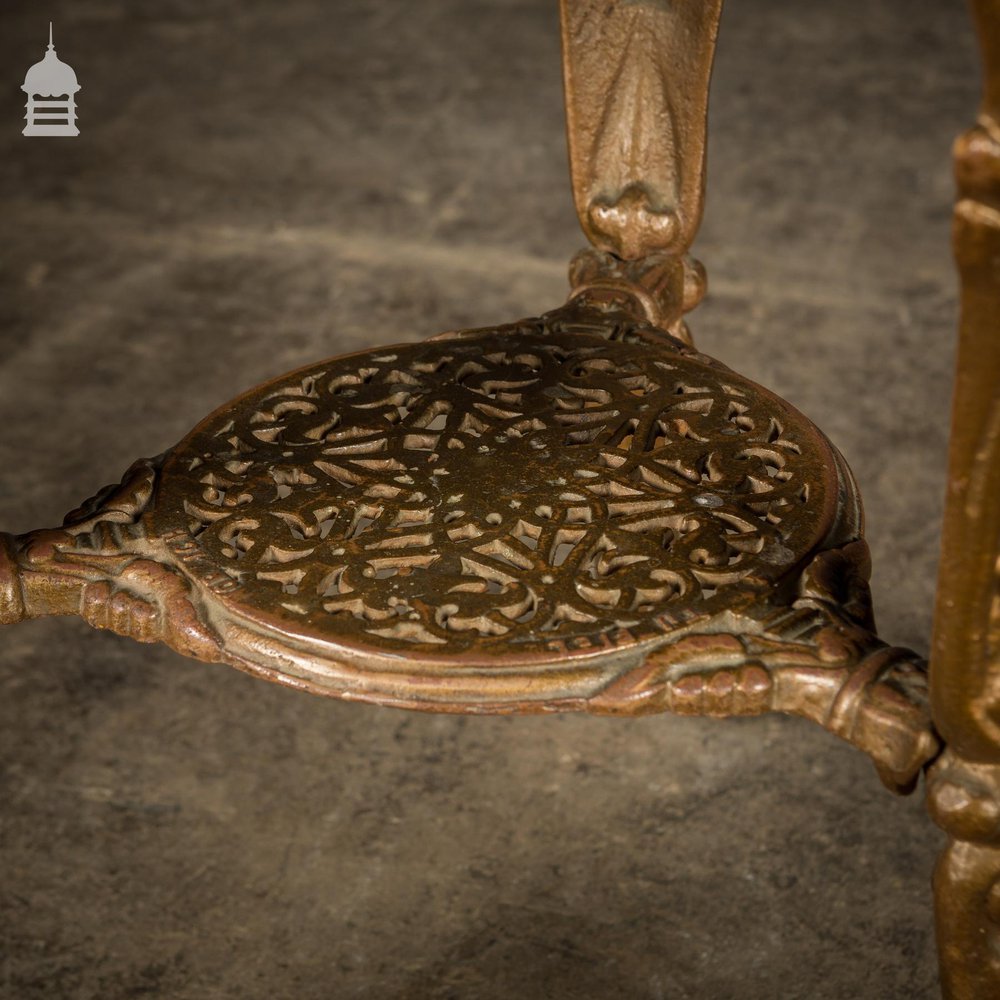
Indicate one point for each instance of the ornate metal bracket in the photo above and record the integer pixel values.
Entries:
(636, 78)
(571, 513)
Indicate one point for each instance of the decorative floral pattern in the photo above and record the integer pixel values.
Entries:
(515, 485)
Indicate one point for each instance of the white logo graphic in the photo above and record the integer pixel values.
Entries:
(50, 78)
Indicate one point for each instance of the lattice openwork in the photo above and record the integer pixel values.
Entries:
(517, 486)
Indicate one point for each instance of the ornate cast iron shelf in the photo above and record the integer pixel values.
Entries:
(573, 512)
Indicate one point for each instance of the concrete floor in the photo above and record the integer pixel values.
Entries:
(259, 185)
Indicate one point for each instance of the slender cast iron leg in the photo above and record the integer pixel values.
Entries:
(965, 801)
(964, 786)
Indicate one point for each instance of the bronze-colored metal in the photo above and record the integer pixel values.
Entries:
(658, 289)
(964, 800)
(967, 625)
(496, 496)
(965, 679)
(570, 513)
(636, 81)
(636, 77)
(580, 511)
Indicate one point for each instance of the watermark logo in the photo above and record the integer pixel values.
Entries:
(51, 87)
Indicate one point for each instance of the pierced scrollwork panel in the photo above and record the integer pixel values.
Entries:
(513, 489)
(571, 513)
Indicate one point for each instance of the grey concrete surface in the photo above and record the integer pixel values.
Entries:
(257, 185)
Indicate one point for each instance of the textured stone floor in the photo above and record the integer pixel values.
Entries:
(259, 185)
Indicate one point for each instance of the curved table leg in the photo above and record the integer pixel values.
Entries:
(964, 786)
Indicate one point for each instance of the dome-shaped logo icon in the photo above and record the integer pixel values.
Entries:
(51, 87)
